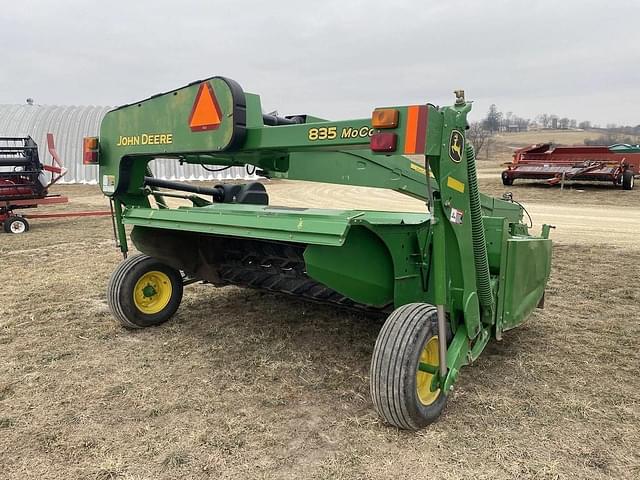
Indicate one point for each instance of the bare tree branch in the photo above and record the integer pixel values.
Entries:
(478, 136)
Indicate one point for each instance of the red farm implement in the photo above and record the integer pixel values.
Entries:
(24, 182)
(618, 164)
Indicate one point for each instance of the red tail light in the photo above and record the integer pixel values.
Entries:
(90, 151)
(384, 142)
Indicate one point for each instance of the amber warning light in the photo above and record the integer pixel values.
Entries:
(90, 151)
(384, 118)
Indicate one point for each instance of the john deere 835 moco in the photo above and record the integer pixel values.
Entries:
(450, 278)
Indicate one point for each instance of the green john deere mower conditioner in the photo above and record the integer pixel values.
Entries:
(448, 279)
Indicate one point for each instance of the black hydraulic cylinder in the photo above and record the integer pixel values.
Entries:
(274, 120)
(216, 192)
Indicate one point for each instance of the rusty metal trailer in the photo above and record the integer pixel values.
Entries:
(619, 164)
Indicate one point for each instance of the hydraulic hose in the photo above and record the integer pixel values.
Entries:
(477, 232)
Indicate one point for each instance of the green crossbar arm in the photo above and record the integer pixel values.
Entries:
(317, 150)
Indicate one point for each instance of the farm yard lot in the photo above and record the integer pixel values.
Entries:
(243, 384)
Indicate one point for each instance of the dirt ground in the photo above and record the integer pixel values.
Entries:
(250, 385)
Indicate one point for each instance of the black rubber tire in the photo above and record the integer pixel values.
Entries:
(11, 221)
(394, 366)
(121, 286)
(506, 179)
(628, 180)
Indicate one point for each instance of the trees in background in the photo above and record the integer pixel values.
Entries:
(478, 135)
(616, 134)
(545, 120)
(493, 120)
(496, 121)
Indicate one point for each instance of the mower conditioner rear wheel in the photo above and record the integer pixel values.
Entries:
(144, 292)
(16, 225)
(401, 393)
(506, 179)
(628, 180)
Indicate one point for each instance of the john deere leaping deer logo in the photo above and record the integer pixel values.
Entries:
(456, 146)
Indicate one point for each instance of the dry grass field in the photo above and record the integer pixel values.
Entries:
(561, 137)
(242, 384)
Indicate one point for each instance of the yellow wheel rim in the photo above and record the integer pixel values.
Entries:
(430, 356)
(152, 292)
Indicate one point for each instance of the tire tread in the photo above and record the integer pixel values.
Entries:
(397, 342)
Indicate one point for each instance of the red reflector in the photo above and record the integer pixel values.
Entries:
(384, 142)
(90, 158)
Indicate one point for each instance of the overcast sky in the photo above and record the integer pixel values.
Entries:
(335, 59)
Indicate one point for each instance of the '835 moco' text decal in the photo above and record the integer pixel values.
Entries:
(331, 133)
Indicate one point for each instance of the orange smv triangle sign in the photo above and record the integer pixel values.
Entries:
(205, 114)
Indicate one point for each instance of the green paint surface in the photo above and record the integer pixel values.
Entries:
(374, 258)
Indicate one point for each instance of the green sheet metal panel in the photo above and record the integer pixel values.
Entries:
(527, 270)
(301, 225)
(162, 125)
(361, 269)
(380, 263)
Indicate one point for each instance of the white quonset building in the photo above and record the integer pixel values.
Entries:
(69, 125)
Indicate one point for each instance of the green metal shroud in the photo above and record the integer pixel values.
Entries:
(468, 252)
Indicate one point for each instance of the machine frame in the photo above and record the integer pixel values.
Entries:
(467, 266)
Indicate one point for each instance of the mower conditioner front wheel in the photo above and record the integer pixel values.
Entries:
(402, 393)
(144, 292)
(627, 180)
